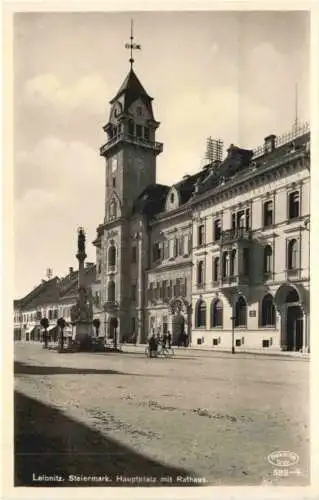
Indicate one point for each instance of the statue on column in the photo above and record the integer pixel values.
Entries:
(81, 241)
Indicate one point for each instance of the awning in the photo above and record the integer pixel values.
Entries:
(30, 329)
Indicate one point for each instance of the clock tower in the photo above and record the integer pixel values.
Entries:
(130, 153)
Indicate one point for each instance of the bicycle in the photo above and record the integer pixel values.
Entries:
(165, 352)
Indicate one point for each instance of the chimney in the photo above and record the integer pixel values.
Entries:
(269, 143)
(70, 270)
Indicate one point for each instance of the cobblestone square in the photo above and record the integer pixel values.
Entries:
(201, 417)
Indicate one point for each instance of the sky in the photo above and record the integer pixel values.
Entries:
(228, 75)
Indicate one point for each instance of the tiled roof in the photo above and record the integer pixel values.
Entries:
(55, 290)
(152, 200)
(47, 292)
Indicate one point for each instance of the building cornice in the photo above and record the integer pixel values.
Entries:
(254, 177)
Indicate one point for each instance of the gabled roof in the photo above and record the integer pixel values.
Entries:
(133, 90)
(186, 186)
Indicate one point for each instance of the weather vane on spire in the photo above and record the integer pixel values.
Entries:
(132, 46)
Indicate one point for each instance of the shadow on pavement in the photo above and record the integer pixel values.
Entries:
(48, 443)
(23, 368)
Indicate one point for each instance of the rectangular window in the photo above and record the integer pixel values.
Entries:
(233, 221)
(158, 291)
(183, 287)
(201, 235)
(294, 205)
(240, 219)
(156, 251)
(134, 254)
(146, 133)
(133, 293)
(131, 127)
(178, 287)
(113, 181)
(268, 213)
(165, 249)
(175, 247)
(181, 246)
(139, 131)
(200, 273)
(246, 261)
(150, 292)
(217, 229)
(164, 288)
(247, 219)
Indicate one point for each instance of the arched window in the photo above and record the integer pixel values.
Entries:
(268, 311)
(292, 254)
(216, 313)
(267, 259)
(111, 291)
(111, 256)
(216, 269)
(113, 210)
(241, 312)
(200, 319)
(232, 262)
(225, 264)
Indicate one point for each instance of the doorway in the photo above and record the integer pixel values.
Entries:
(294, 328)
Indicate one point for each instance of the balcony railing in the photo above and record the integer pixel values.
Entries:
(200, 286)
(235, 234)
(139, 141)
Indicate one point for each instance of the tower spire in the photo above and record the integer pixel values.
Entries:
(132, 46)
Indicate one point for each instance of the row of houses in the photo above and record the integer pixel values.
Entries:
(52, 299)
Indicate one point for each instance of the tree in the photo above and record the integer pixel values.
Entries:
(61, 324)
(45, 324)
(96, 324)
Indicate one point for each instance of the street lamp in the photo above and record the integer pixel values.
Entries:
(233, 334)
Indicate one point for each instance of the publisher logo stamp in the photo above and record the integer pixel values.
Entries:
(283, 458)
(283, 462)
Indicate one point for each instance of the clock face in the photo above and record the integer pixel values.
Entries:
(114, 164)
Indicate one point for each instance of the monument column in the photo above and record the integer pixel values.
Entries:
(82, 311)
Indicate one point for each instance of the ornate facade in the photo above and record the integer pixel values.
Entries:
(221, 256)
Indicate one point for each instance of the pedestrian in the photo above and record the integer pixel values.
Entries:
(152, 345)
(169, 339)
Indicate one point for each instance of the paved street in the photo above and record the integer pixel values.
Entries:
(208, 416)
